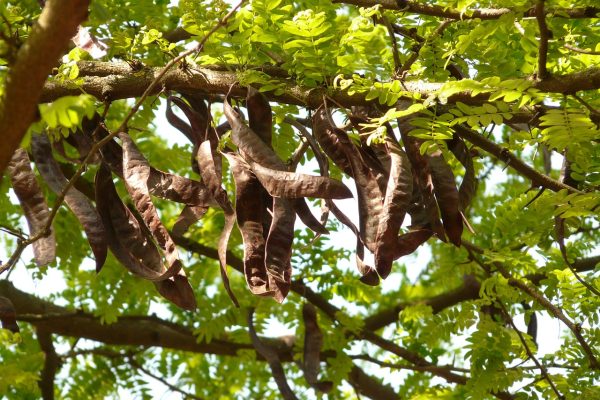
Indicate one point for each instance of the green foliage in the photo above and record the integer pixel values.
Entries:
(291, 51)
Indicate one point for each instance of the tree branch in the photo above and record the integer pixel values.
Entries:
(113, 81)
(530, 354)
(417, 7)
(468, 291)
(545, 34)
(149, 331)
(331, 311)
(537, 178)
(51, 364)
(47, 41)
(532, 292)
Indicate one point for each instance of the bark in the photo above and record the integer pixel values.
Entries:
(47, 41)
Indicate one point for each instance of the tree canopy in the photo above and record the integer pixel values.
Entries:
(219, 265)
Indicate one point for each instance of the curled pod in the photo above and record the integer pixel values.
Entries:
(250, 222)
(133, 247)
(395, 205)
(447, 197)
(33, 204)
(81, 207)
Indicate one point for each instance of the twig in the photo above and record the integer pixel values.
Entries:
(586, 104)
(532, 356)
(131, 361)
(22, 244)
(403, 366)
(17, 233)
(298, 154)
(537, 178)
(395, 53)
(545, 34)
(559, 228)
(582, 51)
(556, 311)
(413, 57)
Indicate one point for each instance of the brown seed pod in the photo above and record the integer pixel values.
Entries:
(213, 182)
(133, 246)
(423, 180)
(33, 204)
(313, 342)
(136, 171)
(260, 115)
(81, 207)
(446, 194)
(250, 222)
(294, 185)
(396, 201)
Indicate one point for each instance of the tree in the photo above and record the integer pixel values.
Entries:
(465, 130)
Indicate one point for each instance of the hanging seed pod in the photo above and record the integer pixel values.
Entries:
(81, 207)
(423, 179)
(133, 246)
(33, 204)
(397, 199)
(250, 222)
(136, 171)
(446, 194)
(313, 342)
(468, 186)
(260, 115)
(213, 182)
(295, 185)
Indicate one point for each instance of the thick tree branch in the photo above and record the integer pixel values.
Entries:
(424, 8)
(331, 311)
(47, 41)
(51, 364)
(468, 291)
(545, 34)
(110, 81)
(142, 331)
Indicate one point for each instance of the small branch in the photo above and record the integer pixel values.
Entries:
(545, 35)
(587, 105)
(14, 232)
(298, 154)
(427, 8)
(51, 364)
(542, 369)
(415, 54)
(537, 178)
(556, 311)
(395, 52)
(131, 361)
(582, 51)
(406, 367)
(559, 228)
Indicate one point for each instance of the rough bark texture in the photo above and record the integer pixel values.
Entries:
(48, 39)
